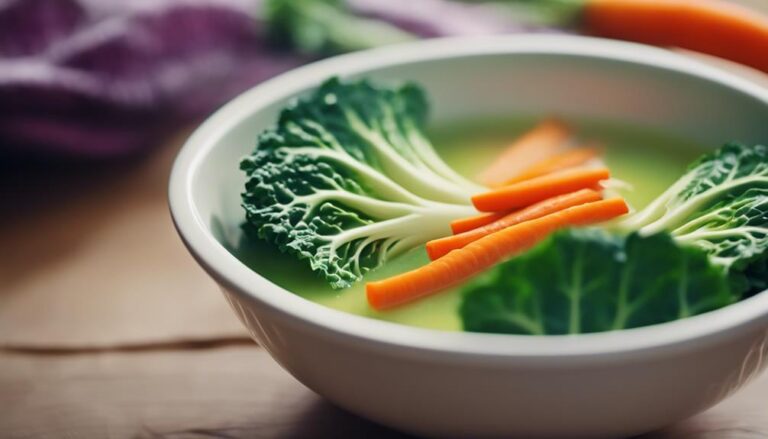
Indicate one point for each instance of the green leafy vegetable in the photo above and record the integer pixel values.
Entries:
(586, 280)
(334, 26)
(721, 206)
(347, 179)
(326, 26)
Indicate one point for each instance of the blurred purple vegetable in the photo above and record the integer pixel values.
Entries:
(107, 79)
(438, 18)
(29, 26)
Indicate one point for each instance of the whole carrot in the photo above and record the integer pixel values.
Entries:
(714, 27)
(459, 265)
(531, 191)
(438, 248)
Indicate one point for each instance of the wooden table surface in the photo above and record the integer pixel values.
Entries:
(230, 392)
(109, 329)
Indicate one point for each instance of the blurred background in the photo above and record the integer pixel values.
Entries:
(107, 326)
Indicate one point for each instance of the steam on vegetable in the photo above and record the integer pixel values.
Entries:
(588, 280)
(347, 180)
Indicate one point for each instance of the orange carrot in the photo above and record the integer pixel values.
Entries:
(558, 162)
(438, 248)
(462, 225)
(564, 160)
(543, 141)
(536, 189)
(459, 265)
(713, 27)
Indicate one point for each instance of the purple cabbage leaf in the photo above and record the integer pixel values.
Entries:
(106, 79)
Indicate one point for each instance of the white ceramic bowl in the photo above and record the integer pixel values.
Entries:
(481, 385)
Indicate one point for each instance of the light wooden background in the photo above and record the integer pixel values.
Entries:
(109, 329)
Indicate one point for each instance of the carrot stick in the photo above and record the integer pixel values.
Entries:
(459, 265)
(544, 140)
(438, 248)
(713, 27)
(537, 189)
(564, 160)
(462, 225)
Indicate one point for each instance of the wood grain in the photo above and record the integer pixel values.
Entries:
(233, 392)
(111, 329)
(89, 257)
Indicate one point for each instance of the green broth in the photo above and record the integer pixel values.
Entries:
(649, 161)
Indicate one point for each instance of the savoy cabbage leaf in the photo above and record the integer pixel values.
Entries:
(721, 206)
(347, 179)
(587, 280)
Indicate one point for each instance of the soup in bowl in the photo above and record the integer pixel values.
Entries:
(412, 365)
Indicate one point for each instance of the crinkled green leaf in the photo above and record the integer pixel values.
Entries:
(347, 179)
(586, 280)
(721, 206)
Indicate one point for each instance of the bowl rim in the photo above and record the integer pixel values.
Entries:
(247, 284)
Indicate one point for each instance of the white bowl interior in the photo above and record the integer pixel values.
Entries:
(533, 75)
(489, 385)
(492, 85)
